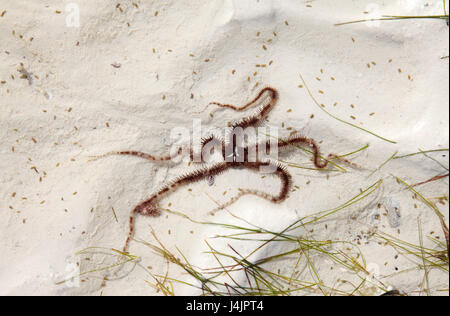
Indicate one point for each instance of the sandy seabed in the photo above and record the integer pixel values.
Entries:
(83, 78)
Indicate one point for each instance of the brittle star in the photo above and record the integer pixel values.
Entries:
(234, 155)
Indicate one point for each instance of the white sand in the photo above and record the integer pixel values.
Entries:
(55, 203)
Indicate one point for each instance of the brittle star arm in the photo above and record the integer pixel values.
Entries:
(264, 109)
(285, 144)
(319, 161)
(150, 206)
(267, 97)
(139, 154)
(262, 112)
(278, 170)
(206, 143)
(249, 104)
(311, 143)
